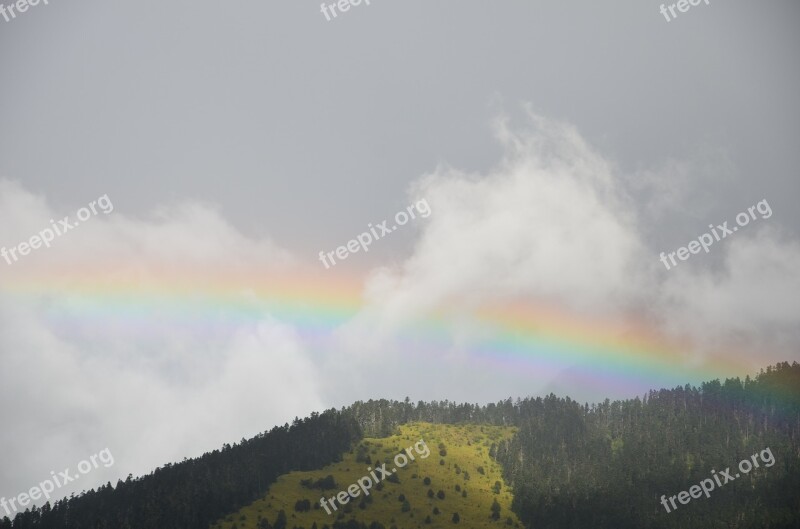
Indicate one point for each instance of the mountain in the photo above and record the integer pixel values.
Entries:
(558, 463)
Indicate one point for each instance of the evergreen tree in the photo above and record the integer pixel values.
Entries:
(495, 510)
(280, 521)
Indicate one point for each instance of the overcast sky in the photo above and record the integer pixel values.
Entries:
(561, 147)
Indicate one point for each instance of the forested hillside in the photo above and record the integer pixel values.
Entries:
(571, 465)
(607, 465)
(194, 492)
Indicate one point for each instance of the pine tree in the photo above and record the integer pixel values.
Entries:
(495, 510)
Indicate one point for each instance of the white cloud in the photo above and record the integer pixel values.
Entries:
(554, 224)
(134, 369)
(549, 223)
(752, 302)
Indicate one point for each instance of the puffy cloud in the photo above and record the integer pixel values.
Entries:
(550, 223)
(153, 374)
(751, 302)
(555, 224)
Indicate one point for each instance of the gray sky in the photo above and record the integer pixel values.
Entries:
(249, 135)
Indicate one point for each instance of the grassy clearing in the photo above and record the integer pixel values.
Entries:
(466, 476)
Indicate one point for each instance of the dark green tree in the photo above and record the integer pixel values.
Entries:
(280, 521)
(495, 510)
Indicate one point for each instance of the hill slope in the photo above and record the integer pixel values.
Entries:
(451, 473)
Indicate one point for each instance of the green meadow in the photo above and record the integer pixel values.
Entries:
(457, 485)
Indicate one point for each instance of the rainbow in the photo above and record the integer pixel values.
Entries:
(523, 336)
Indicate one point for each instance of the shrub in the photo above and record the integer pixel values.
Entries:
(495, 510)
(362, 454)
(326, 483)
